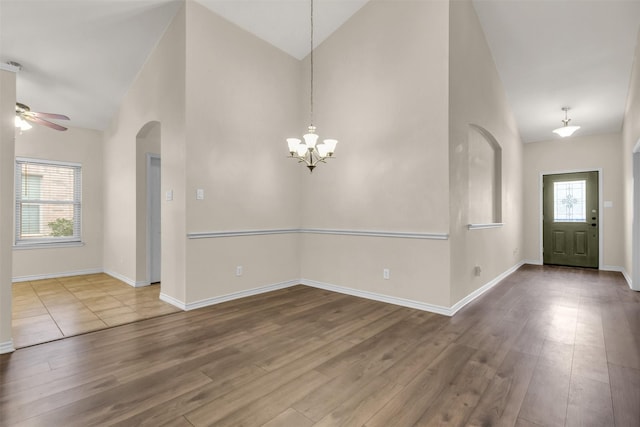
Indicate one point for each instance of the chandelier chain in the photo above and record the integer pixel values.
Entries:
(311, 53)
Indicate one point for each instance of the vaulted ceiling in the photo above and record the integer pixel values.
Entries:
(80, 57)
(552, 54)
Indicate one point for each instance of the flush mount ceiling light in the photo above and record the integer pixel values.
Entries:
(310, 152)
(566, 130)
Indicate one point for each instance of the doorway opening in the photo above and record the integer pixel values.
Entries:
(148, 205)
(571, 219)
(635, 236)
(153, 219)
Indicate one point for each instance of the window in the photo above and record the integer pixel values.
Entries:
(569, 199)
(48, 202)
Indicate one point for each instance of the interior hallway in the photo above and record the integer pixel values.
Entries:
(50, 309)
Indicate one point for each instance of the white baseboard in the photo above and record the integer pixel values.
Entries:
(612, 268)
(418, 305)
(629, 281)
(620, 270)
(56, 275)
(118, 276)
(532, 261)
(446, 311)
(173, 301)
(127, 280)
(7, 347)
(229, 297)
(378, 297)
(475, 294)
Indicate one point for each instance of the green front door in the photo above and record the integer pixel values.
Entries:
(571, 219)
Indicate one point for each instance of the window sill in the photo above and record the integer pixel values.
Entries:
(55, 245)
(483, 226)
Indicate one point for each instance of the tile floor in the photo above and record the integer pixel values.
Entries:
(50, 309)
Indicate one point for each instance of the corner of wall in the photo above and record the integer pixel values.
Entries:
(477, 99)
(7, 159)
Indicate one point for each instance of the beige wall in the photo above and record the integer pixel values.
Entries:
(384, 94)
(576, 154)
(157, 95)
(419, 268)
(75, 145)
(7, 156)
(218, 128)
(242, 101)
(381, 90)
(399, 85)
(630, 139)
(478, 98)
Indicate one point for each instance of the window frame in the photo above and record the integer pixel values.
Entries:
(50, 241)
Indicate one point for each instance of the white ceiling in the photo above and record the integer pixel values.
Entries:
(552, 54)
(80, 57)
(286, 23)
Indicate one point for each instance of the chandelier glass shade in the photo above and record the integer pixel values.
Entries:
(308, 150)
(566, 130)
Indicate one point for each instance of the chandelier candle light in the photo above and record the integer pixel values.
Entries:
(566, 130)
(310, 152)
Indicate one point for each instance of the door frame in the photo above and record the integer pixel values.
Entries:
(600, 210)
(635, 221)
(148, 191)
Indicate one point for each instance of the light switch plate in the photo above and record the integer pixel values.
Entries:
(608, 204)
(199, 194)
(168, 195)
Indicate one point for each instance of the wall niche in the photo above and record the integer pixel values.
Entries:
(485, 177)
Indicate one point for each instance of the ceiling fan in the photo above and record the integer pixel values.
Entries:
(25, 115)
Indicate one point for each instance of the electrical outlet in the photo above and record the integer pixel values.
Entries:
(386, 274)
(199, 194)
(239, 271)
(168, 195)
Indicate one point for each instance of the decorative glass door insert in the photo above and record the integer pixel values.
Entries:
(569, 201)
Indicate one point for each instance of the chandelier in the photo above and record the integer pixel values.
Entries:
(566, 130)
(310, 151)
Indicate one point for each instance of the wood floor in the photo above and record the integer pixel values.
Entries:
(50, 309)
(548, 346)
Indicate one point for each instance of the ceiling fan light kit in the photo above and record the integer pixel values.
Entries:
(565, 130)
(22, 124)
(24, 115)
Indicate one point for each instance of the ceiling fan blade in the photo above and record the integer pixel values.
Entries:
(43, 122)
(49, 115)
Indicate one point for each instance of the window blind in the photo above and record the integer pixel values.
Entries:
(48, 201)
